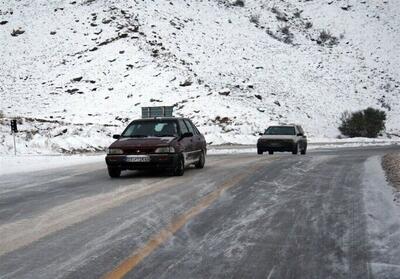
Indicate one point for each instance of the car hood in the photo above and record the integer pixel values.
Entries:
(283, 137)
(142, 142)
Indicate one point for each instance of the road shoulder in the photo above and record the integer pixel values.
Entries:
(391, 165)
(383, 221)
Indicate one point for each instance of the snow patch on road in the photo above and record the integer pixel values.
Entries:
(220, 151)
(383, 221)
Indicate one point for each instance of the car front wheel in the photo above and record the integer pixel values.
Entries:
(202, 160)
(179, 169)
(114, 172)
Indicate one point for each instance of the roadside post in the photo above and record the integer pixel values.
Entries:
(14, 130)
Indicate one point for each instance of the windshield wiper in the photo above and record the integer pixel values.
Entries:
(136, 136)
(166, 135)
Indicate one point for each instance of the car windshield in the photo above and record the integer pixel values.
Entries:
(149, 128)
(280, 130)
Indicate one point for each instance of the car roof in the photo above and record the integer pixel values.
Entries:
(160, 118)
(284, 125)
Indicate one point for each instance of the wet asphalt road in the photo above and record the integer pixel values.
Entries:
(242, 216)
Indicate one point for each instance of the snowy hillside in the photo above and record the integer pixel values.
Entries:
(80, 70)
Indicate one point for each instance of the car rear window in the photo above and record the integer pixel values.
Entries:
(196, 131)
(156, 128)
(280, 130)
(183, 127)
(189, 126)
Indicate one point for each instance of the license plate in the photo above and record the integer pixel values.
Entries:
(137, 159)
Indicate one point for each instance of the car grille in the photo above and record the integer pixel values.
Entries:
(275, 143)
(139, 151)
(279, 141)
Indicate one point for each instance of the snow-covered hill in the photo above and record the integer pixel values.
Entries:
(80, 70)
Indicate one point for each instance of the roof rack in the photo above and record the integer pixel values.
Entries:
(160, 111)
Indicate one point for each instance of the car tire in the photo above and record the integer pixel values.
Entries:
(114, 172)
(202, 160)
(303, 152)
(259, 152)
(179, 168)
(295, 149)
(270, 152)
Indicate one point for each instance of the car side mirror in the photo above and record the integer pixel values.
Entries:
(299, 135)
(187, 135)
(260, 134)
(116, 136)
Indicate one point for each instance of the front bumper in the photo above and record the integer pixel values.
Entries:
(157, 161)
(275, 145)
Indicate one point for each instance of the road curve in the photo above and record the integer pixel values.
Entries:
(242, 216)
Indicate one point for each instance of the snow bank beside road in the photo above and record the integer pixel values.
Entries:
(313, 144)
(40, 136)
(383, 221)
(356, 142)
(35, 162)
(27, 163)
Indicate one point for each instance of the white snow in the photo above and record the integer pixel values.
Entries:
(221, 151)
(383, 221)
(328, 144)
(10, 164)
(210, 43)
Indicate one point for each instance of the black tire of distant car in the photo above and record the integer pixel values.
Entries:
(295, 149)
(259, 152)
(270, 152)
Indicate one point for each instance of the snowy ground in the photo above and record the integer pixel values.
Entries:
(29, 163)
(88, 66)
(36, 136)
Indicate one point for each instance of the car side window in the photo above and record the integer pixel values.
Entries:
(196, 131)
(189, 126)
(182, 127)
(300, 130)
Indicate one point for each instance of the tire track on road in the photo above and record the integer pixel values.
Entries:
(166, 233)
(23, 232)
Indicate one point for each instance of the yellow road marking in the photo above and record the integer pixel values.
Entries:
(166, 233)
(23, 232)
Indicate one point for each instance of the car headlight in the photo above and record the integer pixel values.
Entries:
(114, 151)
(167, 149)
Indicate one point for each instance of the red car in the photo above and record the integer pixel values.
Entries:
(166, 143)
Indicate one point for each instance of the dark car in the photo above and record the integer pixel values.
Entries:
(161, 143)
(283, 138)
